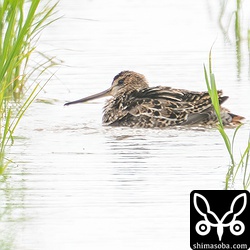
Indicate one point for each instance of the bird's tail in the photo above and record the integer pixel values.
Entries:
(236, 119)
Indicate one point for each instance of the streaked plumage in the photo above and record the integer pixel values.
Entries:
(135, 104)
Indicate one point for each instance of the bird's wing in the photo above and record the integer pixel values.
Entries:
(175, 95)
(172, 106)
(161, 104)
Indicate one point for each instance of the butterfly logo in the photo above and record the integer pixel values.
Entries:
(203, 227)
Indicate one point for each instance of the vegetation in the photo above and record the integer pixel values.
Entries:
(234, 167)
(235, 15)
(20, 24)
(234, 26)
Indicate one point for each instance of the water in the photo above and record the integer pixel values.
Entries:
(76, 184)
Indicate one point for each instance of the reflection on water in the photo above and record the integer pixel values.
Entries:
(78, 185)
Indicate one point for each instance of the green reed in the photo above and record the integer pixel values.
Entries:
(21, 22)
(237, 26)
(236, 21)
(248, 39)
(234, 167)
(235, 15)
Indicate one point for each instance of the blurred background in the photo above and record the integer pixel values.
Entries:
(75, 184)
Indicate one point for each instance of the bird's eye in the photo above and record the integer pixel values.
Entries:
(121, 81)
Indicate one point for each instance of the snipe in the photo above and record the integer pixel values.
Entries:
(135, 104)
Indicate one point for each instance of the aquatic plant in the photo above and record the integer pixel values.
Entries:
(233, 20)
(234, 167)
(235, 15)
(248, 39)
(20, 25)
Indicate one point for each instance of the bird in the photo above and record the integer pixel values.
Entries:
(134, 104)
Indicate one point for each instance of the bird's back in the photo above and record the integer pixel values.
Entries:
(163, 107)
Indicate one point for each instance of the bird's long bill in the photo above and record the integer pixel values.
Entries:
(92, 97)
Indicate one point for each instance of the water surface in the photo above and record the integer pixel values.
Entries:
(76, 184)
